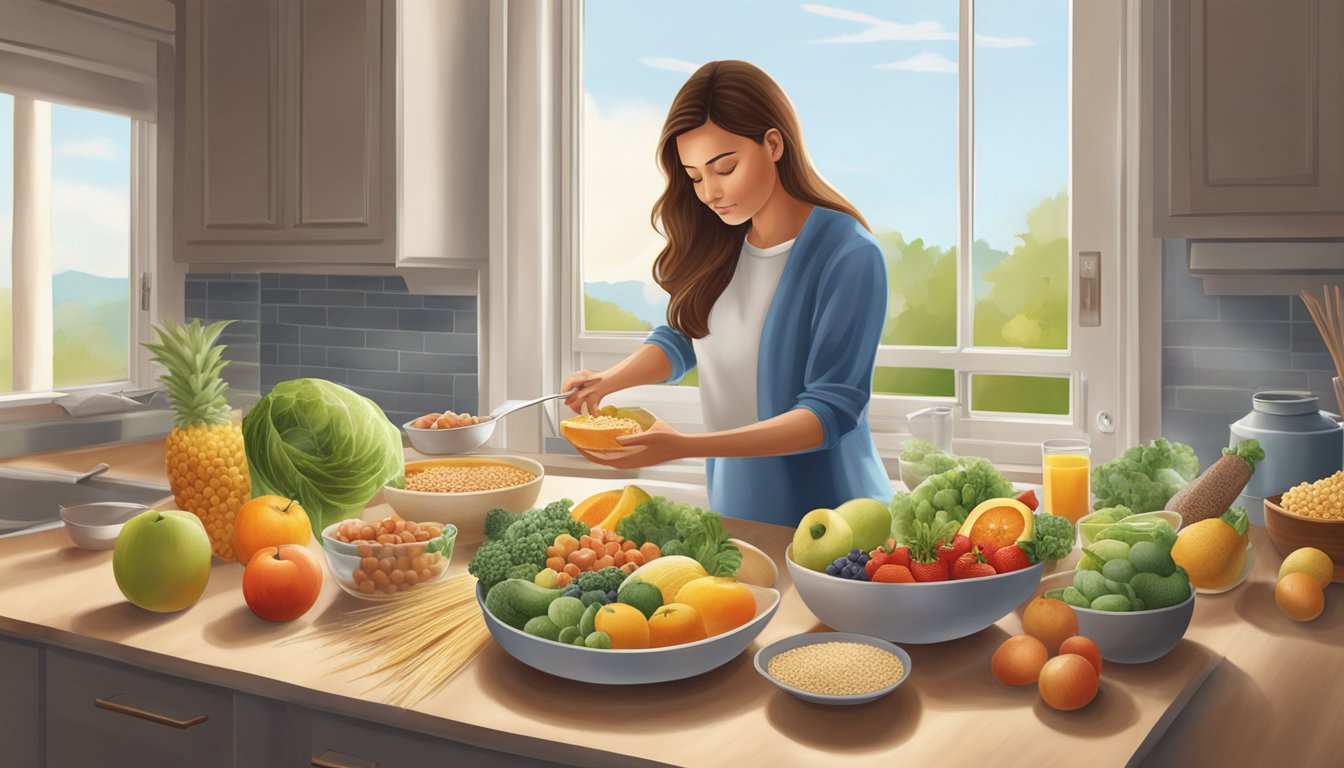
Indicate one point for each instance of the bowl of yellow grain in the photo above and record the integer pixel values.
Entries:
(461, 489)
(842, 668)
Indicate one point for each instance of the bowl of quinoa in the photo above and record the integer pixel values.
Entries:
(838, 668)
(461, 489)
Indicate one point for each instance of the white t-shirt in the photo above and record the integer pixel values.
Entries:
(726, 358)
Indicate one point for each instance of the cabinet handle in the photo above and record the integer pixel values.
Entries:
(319, 761)
(145, 714)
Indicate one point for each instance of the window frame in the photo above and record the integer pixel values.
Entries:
(142, 247)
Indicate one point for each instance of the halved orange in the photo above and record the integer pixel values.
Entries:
(598, 431)
(596, 508)
(997, 523)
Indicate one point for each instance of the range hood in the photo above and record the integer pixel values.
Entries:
(1274, 267)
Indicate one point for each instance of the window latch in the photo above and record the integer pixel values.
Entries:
(145, 283)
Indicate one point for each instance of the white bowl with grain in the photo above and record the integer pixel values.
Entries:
(461, 489)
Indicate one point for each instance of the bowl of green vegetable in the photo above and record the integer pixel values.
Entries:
(1093, 526)
(1127, 636)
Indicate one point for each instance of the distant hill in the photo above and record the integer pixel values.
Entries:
(85, 288)
(629, 295)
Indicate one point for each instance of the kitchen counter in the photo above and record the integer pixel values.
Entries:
(1258, 666)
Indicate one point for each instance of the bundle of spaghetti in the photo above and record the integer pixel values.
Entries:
(1329, 318)
(420, 640)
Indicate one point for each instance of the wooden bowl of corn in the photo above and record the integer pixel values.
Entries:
(1309, 515)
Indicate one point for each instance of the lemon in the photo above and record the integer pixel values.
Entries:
(1311, 561)
(1211, 552)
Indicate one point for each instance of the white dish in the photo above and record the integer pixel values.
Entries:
(763, 657)
(1247, 566)
(1128, 637)
(97, 525)
(632, 666)
(465, 510)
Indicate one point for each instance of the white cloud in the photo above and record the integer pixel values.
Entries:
(882, 30)
(924, 63)
(621, 182)
(97, 149)
(90, 229)
(672, 65)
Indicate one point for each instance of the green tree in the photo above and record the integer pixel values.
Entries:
(599, 315)
(1027, 304)
(922, 281)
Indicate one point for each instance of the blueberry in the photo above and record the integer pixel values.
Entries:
(832, 570)
(840, 562)
(863, 559)
(855, 552)
(611, 595)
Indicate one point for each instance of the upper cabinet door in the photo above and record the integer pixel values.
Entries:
(229, 142)
(337, 119)
(1255, 109)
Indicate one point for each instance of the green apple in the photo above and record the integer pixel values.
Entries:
(869, 519)
(162, 560)
(822, 536)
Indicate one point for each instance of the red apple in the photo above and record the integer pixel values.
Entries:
(269, 521)
(282, 583)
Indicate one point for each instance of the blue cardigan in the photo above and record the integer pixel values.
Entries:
(817, 350)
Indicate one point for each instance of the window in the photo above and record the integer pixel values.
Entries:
(87, 167)
(952, 125)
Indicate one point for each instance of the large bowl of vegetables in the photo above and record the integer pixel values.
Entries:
(656, 599)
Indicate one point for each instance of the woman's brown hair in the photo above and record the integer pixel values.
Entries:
(701, 253)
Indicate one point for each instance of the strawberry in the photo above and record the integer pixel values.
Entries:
(899, 556)
(1009, 558)
(934, 571)
(970, 566)
(876, 559)
(949, 553)
(1028, 497)
(894, 574)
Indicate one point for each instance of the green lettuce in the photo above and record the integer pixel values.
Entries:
(1144, 479)
(947, 497)
(323, 445)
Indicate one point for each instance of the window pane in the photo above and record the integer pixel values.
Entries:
(1042, 395)
(90, 245)
(892, 152)
(6, 239)
(1021, 218)
(922, 382)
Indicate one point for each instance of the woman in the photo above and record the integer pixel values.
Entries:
(778, 295)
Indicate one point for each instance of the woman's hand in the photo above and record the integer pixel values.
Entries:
(655, 445)
(589, 388)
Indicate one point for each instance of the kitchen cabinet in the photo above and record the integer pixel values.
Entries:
(96, 709)
(331, 132)
(1249, 105)
(338, 742)
(20, 718)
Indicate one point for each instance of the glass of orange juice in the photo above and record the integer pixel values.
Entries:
(1066, 472)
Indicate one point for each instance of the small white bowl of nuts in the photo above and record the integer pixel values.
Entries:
(383, 559)
(461, 489)
(448, 432)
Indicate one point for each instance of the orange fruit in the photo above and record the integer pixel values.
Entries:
(269, 521)
(722, 603)
(1299, 596)
(596, 508)
(624, 624)
(1019, 660)
(675, 624)
(1050, 621)
(598, 431)
(996, 523)
(1068, 681)
(1085, 647)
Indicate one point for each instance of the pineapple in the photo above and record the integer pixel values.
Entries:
(207, 468)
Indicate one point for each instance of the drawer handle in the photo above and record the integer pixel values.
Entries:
(145, 714)
(319, 761)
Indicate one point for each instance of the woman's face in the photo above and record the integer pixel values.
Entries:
(731, 174)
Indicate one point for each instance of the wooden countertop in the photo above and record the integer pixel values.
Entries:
(53, 591)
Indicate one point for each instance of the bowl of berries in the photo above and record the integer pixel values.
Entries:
(936, 585)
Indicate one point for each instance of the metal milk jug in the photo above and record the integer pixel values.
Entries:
(1301, 442)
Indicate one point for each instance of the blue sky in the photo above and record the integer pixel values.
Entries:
(90, 180)
(875, 85)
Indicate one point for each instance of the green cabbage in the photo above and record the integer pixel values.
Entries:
(1144, 478)
(320, 443)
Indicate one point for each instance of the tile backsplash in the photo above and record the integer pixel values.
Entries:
(1217, 351)
(409, 353)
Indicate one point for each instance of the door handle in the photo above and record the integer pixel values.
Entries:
(144, 714)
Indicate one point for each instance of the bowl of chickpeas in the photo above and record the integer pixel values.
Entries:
(378, 560)
(441, 433)
(461, 489)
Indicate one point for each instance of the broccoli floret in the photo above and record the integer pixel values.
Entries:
(594, 596)
(1052, 539)
(491, 564)
(550, 521)
(497, 521)
(524, 571)
(605, 580)
(675, 547)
